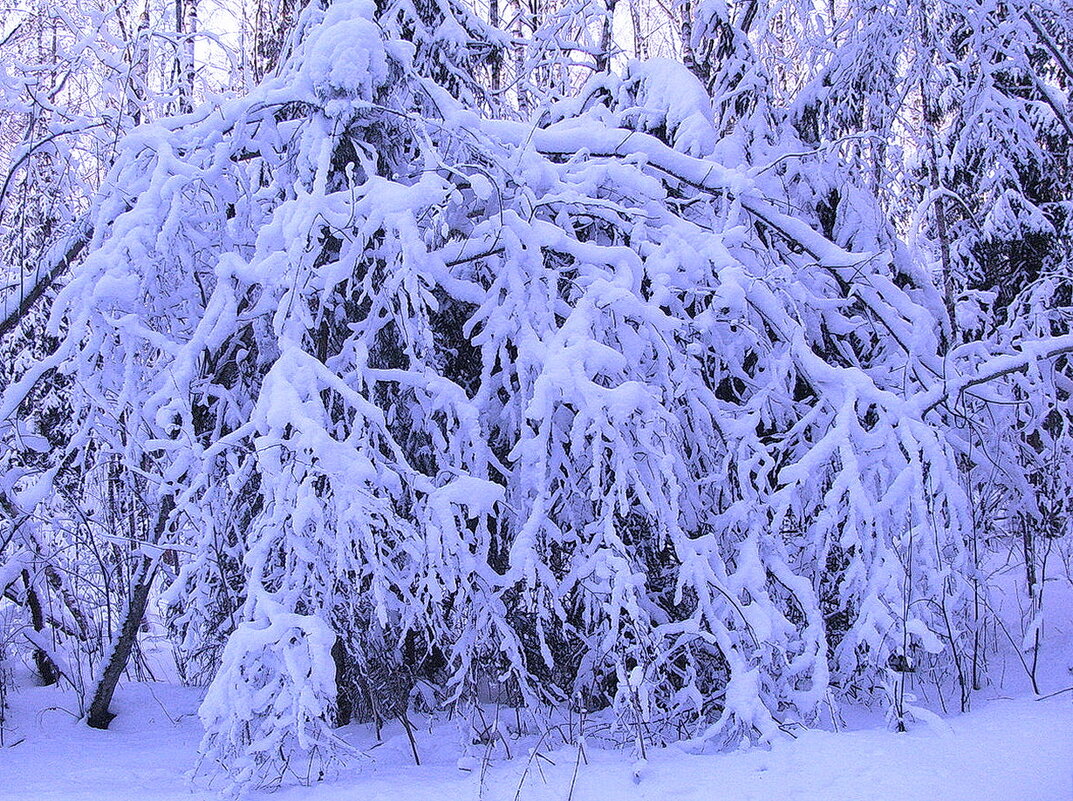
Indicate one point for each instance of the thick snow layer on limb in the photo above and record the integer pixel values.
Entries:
(272, 692)
(663, 94)
(346, 55)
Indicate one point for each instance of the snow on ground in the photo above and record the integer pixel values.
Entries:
(1006, 750)
(1011, 747)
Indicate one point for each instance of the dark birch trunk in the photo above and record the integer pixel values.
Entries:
(99, 714)
(46, 668)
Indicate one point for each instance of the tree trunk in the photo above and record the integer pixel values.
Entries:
(603, 61)
(640, 39)
(186, 27)
(519, 35)
(139, 71)
(689, 55)
(496, 57)
(99, 715)
(46, 668)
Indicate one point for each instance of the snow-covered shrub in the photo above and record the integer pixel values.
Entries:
(630, 408)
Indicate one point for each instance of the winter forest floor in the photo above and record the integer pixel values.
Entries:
(1007, 749)
(1012, 746)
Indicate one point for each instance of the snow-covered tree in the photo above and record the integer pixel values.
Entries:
(641, 405)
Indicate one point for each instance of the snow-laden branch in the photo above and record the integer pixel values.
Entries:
(17, 304)
(1029, 355)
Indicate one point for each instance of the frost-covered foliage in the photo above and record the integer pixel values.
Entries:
(957, 115)
(1012, 116)
(642, 408)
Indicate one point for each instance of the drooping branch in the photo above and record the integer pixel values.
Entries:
(1048, 42)
(995, 368)
(45, 281)
(886, 301)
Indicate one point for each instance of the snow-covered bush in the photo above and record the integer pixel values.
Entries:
(644, 407)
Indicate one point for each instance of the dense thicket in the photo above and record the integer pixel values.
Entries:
(446, 367)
